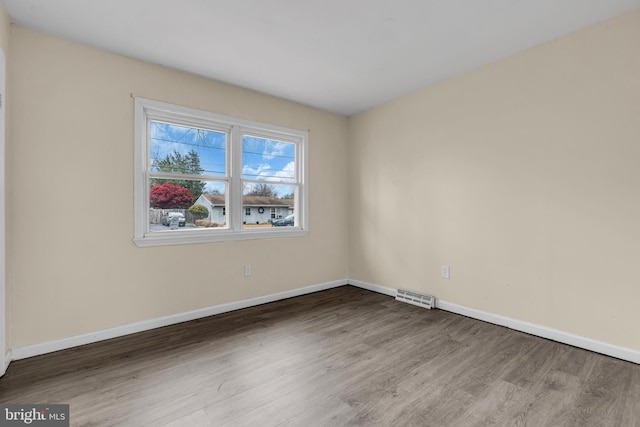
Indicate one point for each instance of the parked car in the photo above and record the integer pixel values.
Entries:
(282, 222)
(166, 219)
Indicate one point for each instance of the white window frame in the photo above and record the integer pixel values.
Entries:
(146, 110)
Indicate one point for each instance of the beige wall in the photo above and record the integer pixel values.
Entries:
(523, 176)
(5, 29)
(72, 265)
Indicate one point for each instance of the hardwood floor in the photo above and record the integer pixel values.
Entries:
(341, 357)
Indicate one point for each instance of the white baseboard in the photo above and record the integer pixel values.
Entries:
(541, 331)
(544, 332)
(119, 331)
(519, 325)
(7, 360)
(375, 288)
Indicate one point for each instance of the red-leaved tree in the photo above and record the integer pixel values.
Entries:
(169, 196)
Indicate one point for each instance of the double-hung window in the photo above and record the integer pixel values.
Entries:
(200, 177)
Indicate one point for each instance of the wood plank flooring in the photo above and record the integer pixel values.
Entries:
(341, 357)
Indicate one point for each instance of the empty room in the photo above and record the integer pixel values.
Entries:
(332, 213)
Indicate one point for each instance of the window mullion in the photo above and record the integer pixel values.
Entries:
(186, 177)
(235, 187)
(301, 201)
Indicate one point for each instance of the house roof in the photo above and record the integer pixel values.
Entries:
(263, 201)
(214, 199)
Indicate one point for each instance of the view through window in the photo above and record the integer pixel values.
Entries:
(209, 177)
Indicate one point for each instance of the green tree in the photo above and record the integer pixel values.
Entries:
(179, 163)
(199, 211)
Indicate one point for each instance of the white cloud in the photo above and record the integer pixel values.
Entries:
(274, 149)
(288, 172)
(261, 171)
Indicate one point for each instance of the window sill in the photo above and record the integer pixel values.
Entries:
(167, 238)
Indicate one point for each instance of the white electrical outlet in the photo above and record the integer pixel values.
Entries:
(445, 272)
(247, 270)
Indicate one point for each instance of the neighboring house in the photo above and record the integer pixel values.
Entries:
(215, 203)
(257, 209)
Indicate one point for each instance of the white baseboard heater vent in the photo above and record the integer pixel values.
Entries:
(424, 301)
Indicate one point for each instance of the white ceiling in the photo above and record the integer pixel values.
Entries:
(343, 56)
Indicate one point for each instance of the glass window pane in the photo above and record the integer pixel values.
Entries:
(268, 160)
(215, 215)
(182, 149)
(268, 205)
(173, 206)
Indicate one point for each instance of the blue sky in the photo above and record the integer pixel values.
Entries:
(262, 159)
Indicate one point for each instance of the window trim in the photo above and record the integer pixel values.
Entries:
(146, 109)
